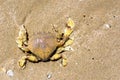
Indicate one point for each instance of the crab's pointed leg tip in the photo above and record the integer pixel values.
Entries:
(64, 62)
(70, 23)
(69, 28)
(21, 64)
(22, 29)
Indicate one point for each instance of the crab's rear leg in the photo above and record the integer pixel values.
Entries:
(22, 39)
(24, 59)
(58, 56)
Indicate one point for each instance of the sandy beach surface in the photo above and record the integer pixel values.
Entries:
(96, 46)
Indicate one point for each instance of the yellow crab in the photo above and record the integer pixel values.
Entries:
(44, 46)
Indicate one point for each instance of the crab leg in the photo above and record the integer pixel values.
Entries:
(24, 59)
(58, 56)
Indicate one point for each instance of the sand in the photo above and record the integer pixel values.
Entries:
(96, 47)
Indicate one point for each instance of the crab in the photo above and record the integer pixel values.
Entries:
(44, 46)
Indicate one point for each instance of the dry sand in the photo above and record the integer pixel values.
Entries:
(96, 54)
